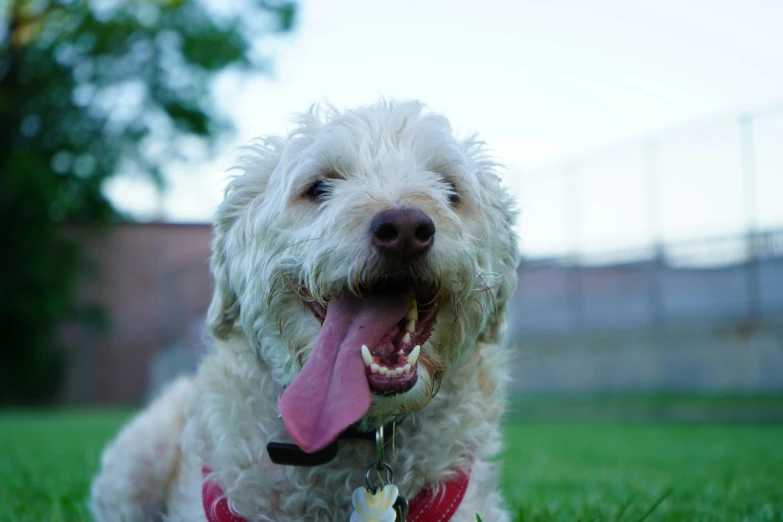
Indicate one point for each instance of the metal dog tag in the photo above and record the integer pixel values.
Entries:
(381, 501)
(375, 504)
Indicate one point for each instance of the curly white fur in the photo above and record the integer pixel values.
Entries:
(272, 248)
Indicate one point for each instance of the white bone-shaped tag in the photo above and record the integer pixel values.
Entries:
(378, 507)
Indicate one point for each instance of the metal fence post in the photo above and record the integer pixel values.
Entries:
(752, 272)
(574, 200)
(652, 174)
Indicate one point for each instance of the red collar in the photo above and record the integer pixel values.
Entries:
(425, 507)
(430, 507)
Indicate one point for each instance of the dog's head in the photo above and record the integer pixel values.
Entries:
(362, 257)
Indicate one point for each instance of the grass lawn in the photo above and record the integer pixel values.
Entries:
(653, 472)
(553, 472)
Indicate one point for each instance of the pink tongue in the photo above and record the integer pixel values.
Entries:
(331, 392)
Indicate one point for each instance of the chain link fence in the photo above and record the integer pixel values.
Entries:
(669, 195)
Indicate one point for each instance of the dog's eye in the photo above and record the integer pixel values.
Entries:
(318, 190)
(454, 196)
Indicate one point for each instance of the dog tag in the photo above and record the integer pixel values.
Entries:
(401, 508)
(380, 501)
(375, 506)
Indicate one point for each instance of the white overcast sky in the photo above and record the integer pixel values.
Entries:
(542, 81)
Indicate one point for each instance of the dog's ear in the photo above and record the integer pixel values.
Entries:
(223, 311)
(501, 215)
(255, 167)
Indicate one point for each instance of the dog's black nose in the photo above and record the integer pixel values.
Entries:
(403, 232)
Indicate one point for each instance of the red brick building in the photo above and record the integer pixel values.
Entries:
(153, 282)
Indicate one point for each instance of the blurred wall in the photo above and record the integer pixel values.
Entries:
(154, 284)
(694, 358)
(663, 323)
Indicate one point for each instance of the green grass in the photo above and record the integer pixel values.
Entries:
(648, 472)
(47, 462)
(553, 472)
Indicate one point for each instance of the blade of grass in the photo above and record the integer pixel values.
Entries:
(655, 505)
(624, 508)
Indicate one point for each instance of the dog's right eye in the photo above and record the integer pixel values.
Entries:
(318, 190)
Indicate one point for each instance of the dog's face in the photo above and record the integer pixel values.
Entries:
(362, 256)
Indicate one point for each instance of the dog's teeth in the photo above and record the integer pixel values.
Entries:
(414, 355)
(374, 368)
(407, 368)
(401, 352)
(411, 326)
(383, 370)
(399, 371)
(413, 312)
(406, 338)
(366, 355)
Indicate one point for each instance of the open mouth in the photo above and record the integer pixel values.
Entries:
(391, 363)
(369, 344)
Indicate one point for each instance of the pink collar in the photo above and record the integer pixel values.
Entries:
(425, 507)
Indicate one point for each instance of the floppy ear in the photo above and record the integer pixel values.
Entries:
(223, 311)
(503, 250)
(504, 287)
(255, 167)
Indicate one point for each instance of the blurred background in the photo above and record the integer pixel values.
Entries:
(644, 144)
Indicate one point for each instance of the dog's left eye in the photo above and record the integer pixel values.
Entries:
(318, 190)
(454, 196)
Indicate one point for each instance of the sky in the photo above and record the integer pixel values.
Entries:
(543, 83)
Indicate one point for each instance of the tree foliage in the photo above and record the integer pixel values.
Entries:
(89, 90)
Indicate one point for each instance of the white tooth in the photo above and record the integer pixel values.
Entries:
(407, 368)
(401, 352)
(411, 326)
(414, 355)
(413, 311)
(383, 370)
(366, 355)
(406, 338)
(399, 371)
(374, 368)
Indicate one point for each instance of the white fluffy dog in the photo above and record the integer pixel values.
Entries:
(362, 268)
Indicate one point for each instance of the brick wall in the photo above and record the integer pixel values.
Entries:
(153, 282)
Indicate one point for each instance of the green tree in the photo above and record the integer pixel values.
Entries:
(89, 90)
